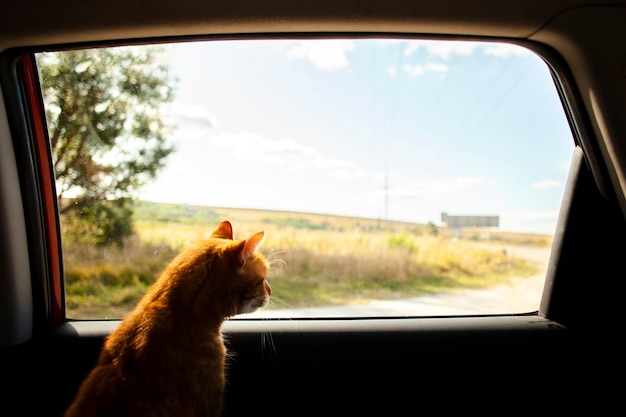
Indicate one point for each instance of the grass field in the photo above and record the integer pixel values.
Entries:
(317, 259)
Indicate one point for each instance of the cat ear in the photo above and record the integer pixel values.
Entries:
(224, 230)
(250, 246)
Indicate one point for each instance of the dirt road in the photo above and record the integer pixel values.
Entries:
(518, 295)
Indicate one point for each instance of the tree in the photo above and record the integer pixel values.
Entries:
(107, 132)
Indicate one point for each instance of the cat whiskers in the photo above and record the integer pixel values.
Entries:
(276, 264)
(274, 301)
(268, 347)
(267, 344)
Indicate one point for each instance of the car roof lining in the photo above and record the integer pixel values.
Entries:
(122, 19)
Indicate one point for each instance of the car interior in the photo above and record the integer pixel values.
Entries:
(564, 356)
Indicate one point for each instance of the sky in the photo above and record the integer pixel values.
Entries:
(390, 129)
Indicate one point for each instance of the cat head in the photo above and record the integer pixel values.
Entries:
(219, 277)
(247, 286)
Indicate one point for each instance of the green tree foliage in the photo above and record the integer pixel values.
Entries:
(107, 133)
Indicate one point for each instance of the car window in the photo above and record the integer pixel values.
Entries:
(392, 177)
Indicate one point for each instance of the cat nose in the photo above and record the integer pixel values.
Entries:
(268, 288)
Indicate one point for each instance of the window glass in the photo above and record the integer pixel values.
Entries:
(392, 177)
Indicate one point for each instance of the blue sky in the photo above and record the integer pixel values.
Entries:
(392, 129)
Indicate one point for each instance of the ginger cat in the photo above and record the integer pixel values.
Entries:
(167, 357)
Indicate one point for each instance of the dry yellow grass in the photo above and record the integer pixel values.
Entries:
(317, 259)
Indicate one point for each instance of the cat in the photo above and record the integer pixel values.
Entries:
(167, 357)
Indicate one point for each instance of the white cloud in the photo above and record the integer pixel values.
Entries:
(414, 70)
(545, 185)
(436, 67)
(325, 54)
(505, 50)
(439, 52)
(447, 49)
(192, 115)
(417, 70)
(288, 154)
(563, 165)
(442, 50)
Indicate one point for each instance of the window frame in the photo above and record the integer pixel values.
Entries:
(38, 186)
